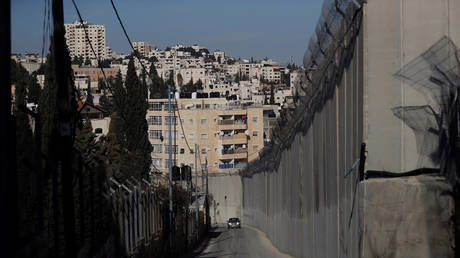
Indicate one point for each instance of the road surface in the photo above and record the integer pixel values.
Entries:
(235, 243)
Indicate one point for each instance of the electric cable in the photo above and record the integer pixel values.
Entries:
(99, 62)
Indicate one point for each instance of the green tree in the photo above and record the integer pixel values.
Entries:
(198, 85)
(118, 111)
(157, 86)
(89, 96)
(26, 165)
(78, 60)
(85, 139)
(180, 80)
(106, 104)
(33, 90)
(128, 129)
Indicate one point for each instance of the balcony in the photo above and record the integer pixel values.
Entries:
(228, 124)
(240, 138)
(234, 154)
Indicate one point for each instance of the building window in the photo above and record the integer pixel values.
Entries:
(155, 106)
(255, 148)
(207, 106)
(254, 119)
(167, 149)
(198, 106)
(203, 151)
(203, 121)
(156, 162)
(191, 136)
(168, 118)
(173, 135)
(182, 150)
(157, 148)
(255, 133)
(154, 120)
(190, 121)
(204, 136)
(154, 134)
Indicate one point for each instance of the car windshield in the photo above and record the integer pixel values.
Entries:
(234, 220)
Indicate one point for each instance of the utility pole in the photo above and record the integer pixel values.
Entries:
(207, 199)
(65, 111)
(171, 230)
(196, 192)
(7, 138)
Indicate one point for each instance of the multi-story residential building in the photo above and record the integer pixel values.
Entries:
(94, 73)
(219, 56)
(271, 73)
(228, 136)
(143, 48)
(79, 45)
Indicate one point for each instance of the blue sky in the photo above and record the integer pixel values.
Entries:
(242, 28)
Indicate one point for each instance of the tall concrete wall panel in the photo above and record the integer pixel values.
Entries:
(306, 206)
(408, 217)
(395, 33)
(226, 191)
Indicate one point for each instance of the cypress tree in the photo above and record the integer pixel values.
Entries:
(119, 113)
(85, 138)
(137, 141)
(157, 87)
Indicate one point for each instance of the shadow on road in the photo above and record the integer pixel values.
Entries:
(198, 252)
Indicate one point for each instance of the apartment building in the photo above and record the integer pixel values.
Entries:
(143, 47)
(219, 56)
(79, 45)
(94, 73)
(228, 137)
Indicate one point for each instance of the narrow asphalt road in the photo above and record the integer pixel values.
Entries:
(244, 242)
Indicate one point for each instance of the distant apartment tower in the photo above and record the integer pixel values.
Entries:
(79, 45)
(143, 48)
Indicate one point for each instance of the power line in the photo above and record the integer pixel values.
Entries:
(91, 45)
(99, 62)
(127, 37)
(145, 71)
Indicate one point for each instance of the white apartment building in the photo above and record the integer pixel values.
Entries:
(219, 56)
(143, 47)
(271, 73)
(79, 45)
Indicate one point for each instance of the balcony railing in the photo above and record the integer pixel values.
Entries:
(235, 136)
(226, 166)
(230, 166)
(231, 122)
(233, 151)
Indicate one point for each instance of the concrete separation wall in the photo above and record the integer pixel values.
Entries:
(407, 217)
(297, 192)
(226, 190)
